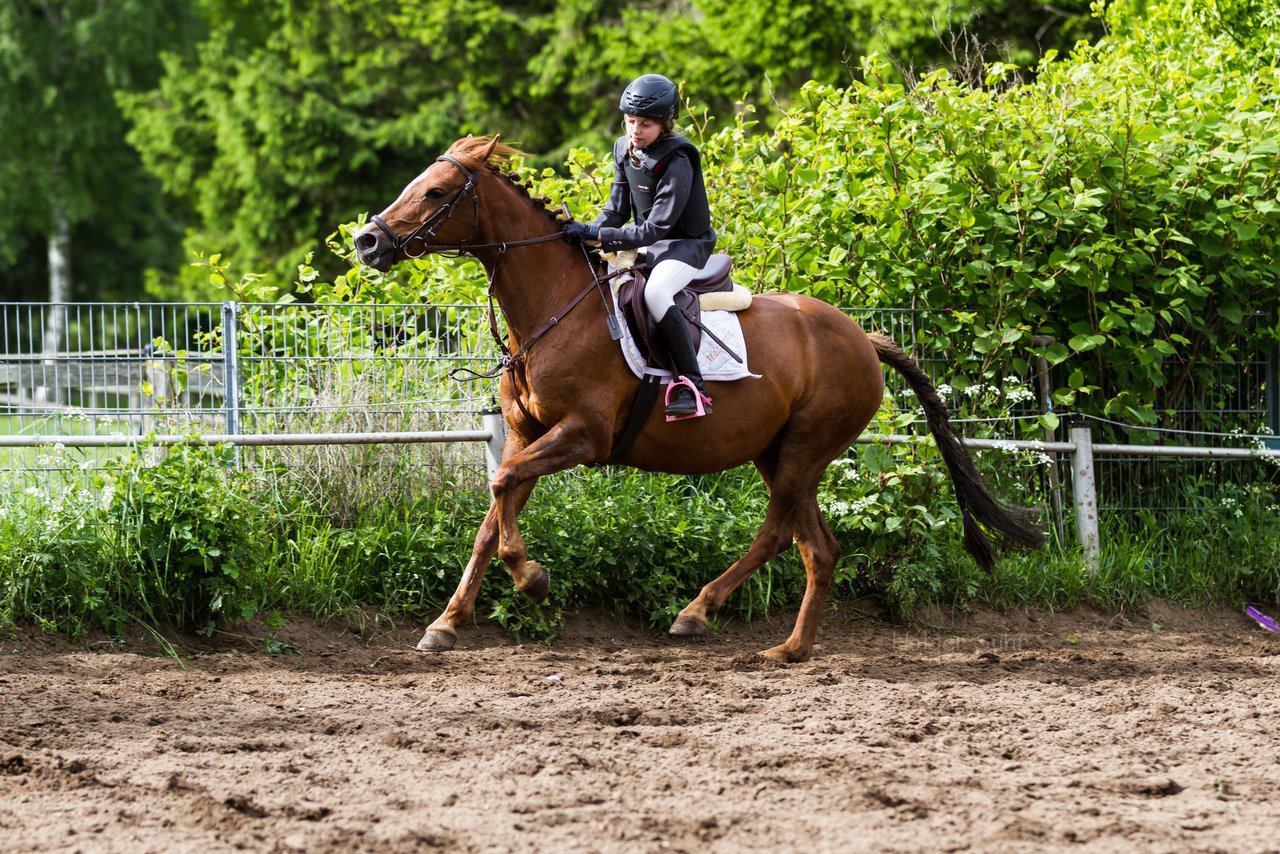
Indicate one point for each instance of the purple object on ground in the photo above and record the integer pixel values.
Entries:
(1262, 619)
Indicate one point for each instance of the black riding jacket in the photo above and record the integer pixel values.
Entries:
(666, 197)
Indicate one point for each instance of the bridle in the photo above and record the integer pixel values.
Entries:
(426, 230)
(433, 223)
(428, 227)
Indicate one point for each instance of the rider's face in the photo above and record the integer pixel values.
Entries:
(642, 132)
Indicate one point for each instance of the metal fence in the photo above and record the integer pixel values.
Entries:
(146, 366)
(293, 377)
(288, 377)
(133, 369)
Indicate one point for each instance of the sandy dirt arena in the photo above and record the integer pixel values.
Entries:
(990, 732)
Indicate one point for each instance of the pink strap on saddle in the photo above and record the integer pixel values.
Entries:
(698, 396)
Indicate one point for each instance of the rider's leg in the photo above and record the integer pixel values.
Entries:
(666, 280)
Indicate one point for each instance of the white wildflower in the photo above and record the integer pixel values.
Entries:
(861, 505)
(1019, 395)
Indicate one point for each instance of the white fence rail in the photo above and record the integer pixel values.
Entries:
(363, 375)
(1080, 449)
(492, 433)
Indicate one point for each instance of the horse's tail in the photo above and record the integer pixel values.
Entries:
(1010, 526)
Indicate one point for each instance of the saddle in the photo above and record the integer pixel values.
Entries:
(713, 279)
(711, 284)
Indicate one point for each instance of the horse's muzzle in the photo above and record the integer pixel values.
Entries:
(373, 249)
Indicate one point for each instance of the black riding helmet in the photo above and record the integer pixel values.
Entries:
(652, 96)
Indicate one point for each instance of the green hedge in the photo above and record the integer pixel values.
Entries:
(185, 539)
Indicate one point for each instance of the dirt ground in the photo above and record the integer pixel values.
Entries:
(988, 732)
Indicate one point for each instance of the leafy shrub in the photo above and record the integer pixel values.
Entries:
(1134, 226)
(190, 527)
(52, 550)
(167, 536)
(643, 544)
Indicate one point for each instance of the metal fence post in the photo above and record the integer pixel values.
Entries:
(1050, 435)
(231, 369)
(1273, 397)
(1084, 488)
(493, 422)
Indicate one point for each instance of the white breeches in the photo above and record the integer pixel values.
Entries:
(666, 280)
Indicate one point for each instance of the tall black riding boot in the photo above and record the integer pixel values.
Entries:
(675, 330)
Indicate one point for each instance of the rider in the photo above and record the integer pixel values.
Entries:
(658, 182)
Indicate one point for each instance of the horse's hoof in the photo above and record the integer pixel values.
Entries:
(688, 627)
(437, 641)
(784, 654)
(540, 587)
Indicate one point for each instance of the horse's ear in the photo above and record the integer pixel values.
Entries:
(492, 146)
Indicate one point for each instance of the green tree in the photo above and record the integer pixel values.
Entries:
(293, 115)
(67, 177)
(288, 121)
(1124, 202)
(727, 51)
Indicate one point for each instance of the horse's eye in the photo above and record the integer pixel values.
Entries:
(435, 193)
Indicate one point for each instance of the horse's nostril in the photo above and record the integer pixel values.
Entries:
(367, 242)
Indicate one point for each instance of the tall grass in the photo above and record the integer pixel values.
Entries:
(185, 538)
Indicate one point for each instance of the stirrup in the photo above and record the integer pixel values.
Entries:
(702, 401)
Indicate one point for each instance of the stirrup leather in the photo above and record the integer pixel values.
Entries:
(702, 401)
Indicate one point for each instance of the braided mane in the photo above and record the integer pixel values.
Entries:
(471, 152)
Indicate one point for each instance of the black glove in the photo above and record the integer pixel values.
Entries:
(582, 231)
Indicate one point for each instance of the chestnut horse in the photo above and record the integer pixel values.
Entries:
(566, 393)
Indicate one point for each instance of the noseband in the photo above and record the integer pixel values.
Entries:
(427, 229)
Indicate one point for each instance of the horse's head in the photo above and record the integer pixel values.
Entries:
(438, 209)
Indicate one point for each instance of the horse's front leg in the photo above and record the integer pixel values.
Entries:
(569, 443)
(566, 445)
(443, 633)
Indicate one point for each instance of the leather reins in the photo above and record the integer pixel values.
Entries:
(436, 221)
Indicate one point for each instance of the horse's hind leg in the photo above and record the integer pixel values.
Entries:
(819, 549)
(793, 510)
(773, 538)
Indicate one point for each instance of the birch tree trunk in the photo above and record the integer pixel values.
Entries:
(55, 320)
